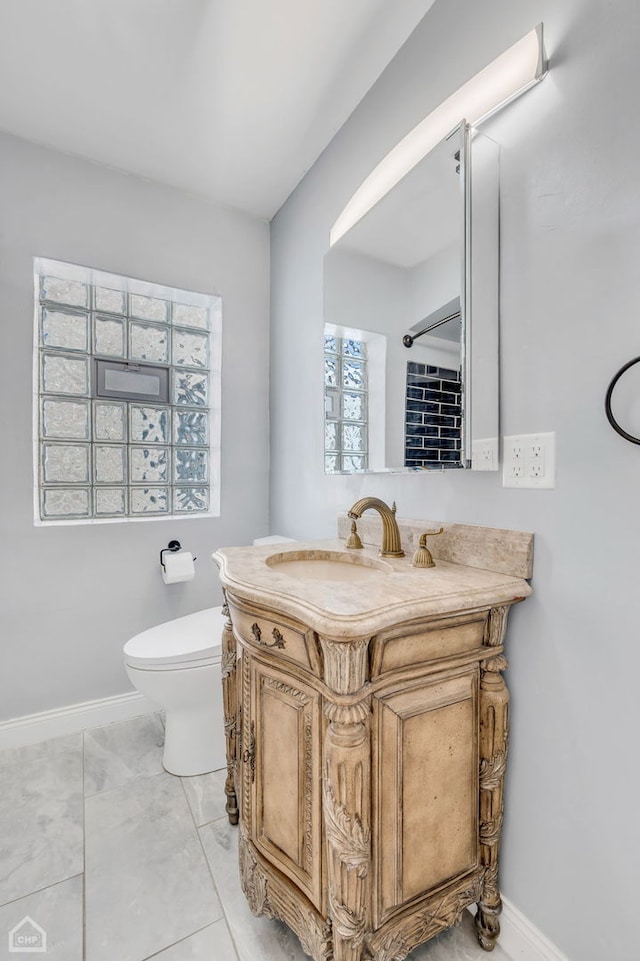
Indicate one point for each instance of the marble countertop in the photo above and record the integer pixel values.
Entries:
(349, 609)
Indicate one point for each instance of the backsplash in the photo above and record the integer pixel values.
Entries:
(491, 548)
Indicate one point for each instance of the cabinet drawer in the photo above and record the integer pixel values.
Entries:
(264, 634)
(443, 639)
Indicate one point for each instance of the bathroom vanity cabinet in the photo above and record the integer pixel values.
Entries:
(367, 754)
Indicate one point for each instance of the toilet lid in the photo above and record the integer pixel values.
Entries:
(195, 637)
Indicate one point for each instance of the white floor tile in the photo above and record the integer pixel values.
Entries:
(147, 882)
(57, 910)
(212, 944)
(256, 939)
(118, 753)
(456, 944)
(40, 815)
(206, 797)
(148, 890)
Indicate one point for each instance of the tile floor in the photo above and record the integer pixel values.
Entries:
(116, 860)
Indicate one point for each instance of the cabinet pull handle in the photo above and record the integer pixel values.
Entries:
(278, 639)
(249, 756)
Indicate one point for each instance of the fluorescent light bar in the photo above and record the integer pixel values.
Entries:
(504, 79)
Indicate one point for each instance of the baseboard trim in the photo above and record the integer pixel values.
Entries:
(20, 731)
(520, 939)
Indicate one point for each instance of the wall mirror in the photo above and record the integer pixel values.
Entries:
(411, 320)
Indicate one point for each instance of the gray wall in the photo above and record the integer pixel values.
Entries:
(569, 306)
(72, 595)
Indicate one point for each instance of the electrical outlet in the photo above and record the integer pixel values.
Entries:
(484, 454)
(529, 461)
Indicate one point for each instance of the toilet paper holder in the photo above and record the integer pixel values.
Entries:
(172, 546)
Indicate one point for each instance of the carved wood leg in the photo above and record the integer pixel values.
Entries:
(494, 733)
(252, 879)
(346, 806)
(230, 706)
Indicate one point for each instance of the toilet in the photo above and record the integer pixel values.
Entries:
(177, 665)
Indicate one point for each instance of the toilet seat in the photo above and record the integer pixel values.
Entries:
(186, 642)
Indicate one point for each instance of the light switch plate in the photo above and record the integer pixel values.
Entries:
(529, 460)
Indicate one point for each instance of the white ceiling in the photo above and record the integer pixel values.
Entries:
(230, 99)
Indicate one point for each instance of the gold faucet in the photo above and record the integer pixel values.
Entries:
(391, 546)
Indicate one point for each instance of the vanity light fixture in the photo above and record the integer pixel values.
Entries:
(508, 76)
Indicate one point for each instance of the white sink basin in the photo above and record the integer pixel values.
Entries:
(328, 566)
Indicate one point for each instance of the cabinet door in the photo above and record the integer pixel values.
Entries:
(285, 826)
(426, 802)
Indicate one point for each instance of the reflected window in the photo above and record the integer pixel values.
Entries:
(345, 404)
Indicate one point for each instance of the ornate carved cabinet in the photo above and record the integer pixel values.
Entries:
(368, 765)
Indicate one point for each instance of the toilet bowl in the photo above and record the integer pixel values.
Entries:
(177, 666)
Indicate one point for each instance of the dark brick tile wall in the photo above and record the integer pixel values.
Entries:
(433, 416)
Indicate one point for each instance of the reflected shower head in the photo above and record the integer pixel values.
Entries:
(407, 340)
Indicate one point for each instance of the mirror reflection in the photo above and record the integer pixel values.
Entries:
(398, 376)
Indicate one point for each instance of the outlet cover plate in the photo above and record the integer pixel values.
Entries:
(529, 460)
(484, 454)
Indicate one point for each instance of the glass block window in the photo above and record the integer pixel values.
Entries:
(111, 455)
(345, 404)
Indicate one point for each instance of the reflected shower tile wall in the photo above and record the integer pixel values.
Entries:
(433, 431)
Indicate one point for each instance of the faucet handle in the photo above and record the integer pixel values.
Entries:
(353, 540)
(423, 556)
